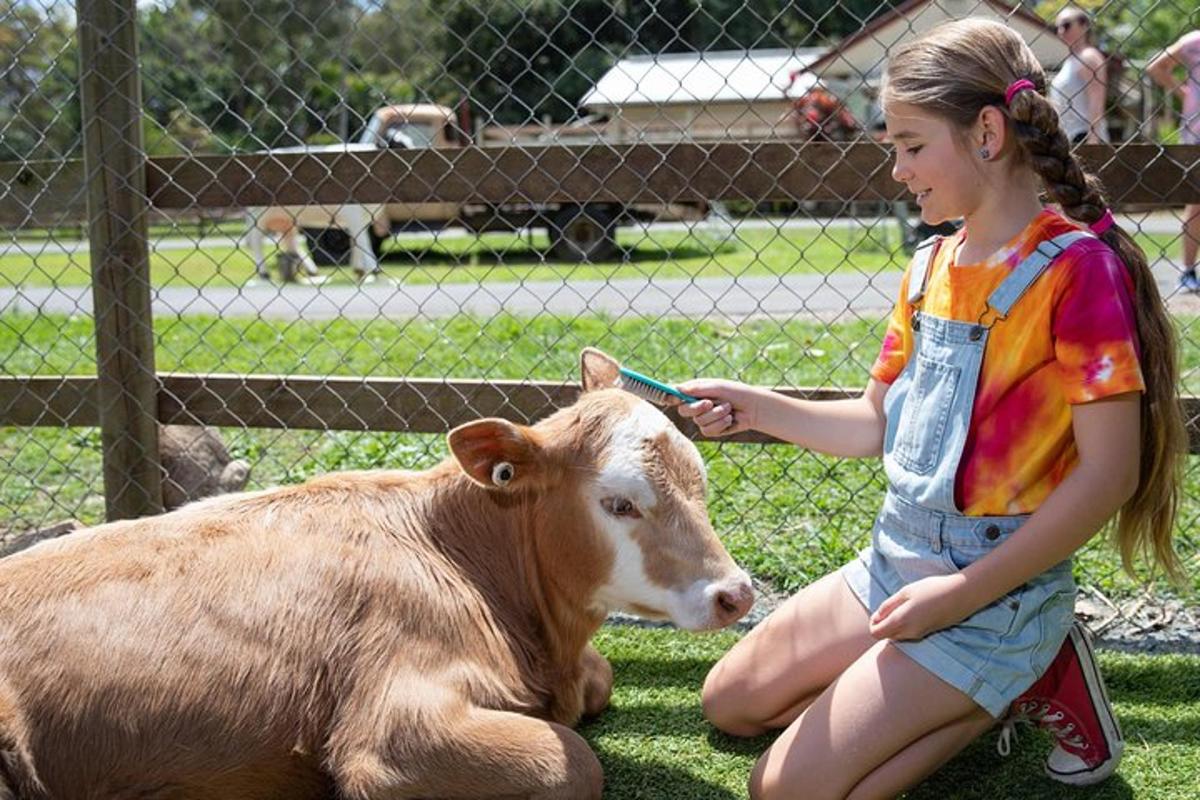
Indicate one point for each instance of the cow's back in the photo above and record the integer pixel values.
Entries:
(232, 625)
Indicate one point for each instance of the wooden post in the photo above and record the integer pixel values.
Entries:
(114, 165)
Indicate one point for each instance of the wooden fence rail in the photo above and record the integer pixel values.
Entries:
(301, 402)
(45, 193)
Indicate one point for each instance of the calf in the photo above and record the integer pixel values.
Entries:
(364, 635)
(286, 223)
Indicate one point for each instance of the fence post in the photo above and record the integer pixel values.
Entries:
(110, 90)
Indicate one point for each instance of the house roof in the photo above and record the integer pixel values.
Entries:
(863, 53)
(702, 77)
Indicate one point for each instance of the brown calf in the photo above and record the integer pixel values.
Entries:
(369, 635)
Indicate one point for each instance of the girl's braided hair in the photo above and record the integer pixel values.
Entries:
(953, 72)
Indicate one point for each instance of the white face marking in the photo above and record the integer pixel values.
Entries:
(623, 475)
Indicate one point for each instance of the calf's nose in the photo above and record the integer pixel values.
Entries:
(733, 600)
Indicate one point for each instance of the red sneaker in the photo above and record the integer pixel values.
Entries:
(1070, 701)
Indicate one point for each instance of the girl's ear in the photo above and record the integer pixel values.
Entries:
(991, 131)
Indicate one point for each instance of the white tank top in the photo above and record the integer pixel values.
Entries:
(1068, 93)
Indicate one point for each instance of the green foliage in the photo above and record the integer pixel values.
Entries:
(282, 72)
(1136, 29)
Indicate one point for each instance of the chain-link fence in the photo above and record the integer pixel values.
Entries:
(361, 223)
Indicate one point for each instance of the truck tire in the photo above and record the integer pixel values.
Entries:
(329, 247)
(583, 234)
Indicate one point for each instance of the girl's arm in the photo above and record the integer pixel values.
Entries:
(851, 428)
(1107, 435)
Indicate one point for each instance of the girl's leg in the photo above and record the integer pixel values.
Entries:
(885, 713)
(789, 658)
(912, 764)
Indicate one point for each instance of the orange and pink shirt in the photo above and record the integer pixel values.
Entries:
(1070, 339)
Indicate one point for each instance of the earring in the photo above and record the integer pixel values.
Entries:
(984, 153)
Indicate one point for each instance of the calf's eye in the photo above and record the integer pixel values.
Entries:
(620, 507)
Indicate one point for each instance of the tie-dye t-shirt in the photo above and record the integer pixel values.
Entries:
(1070, 339)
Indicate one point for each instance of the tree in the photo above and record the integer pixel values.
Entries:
(39, 98)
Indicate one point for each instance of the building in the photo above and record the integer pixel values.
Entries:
(734, 94)
(747, 94)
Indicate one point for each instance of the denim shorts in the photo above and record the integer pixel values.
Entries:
(996, 653)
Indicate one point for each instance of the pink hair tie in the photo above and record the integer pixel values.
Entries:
(1019, 85)
(1105, 222)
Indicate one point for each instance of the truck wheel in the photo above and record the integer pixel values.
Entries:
(586, 233)
(329, 247)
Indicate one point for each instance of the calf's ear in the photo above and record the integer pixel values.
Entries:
(599, 370)
(496, 454)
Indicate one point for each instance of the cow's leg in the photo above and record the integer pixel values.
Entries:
(428, 746)
(254, 238)
(597, 682)
(300, 248)
(18, 777)
(358, 225)
(292, 243)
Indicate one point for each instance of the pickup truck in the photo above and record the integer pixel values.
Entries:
(355, 234)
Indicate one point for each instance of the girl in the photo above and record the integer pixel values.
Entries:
(1024, 393)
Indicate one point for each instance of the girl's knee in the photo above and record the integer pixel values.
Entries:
(724, 703)
(767, 784)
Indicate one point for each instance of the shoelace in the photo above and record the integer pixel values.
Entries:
(1032, 712)
(1008, 734)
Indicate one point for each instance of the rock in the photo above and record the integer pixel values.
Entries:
(197, 465)
(30, 538)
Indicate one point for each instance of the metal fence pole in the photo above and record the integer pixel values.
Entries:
(120, 259)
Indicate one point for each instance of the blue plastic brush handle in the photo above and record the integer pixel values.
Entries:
(662, 387)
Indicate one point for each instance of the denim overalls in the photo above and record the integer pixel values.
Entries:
(1000, 650)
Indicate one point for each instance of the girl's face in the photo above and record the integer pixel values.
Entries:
(933, 161)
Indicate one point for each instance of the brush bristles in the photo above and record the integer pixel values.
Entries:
(648, 393)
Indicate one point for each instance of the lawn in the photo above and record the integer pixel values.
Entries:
(654, 743)
(705, 251)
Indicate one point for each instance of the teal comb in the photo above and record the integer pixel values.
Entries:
(650, 389)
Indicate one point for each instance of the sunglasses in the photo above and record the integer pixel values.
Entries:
(1066, 24)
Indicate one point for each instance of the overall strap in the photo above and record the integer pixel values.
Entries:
(918, 275)
(1015, 285)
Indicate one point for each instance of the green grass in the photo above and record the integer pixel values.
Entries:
(789, 516)
(509, 257)
(655, 744)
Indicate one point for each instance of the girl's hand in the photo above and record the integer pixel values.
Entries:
(920, 608)
(725, 407)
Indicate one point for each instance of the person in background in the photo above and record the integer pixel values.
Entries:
(1079, 89)
(1185, 52)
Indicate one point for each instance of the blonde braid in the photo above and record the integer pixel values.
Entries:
(1146, 522)
(1036, 124)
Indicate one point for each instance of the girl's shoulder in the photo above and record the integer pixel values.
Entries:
(1087, 253)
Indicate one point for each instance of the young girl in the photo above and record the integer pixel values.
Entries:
(1024, 394)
